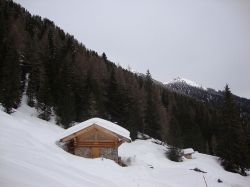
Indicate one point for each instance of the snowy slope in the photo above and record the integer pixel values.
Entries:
(30, 158)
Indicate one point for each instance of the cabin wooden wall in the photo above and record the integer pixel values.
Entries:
(96, 143)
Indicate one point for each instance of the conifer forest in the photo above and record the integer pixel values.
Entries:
(73, 83)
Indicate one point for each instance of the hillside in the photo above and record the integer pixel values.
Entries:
(30, 157)
(208, 95)
(68, 83)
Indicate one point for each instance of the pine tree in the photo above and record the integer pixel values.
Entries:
(247, 132)
(231, 141)
(80, 94)
(92, 106)
(133, 113)
(33, 86)
(174, 137)
(116, 100)
(104, 57)
(65, 105)
(152, 123)
(44, 98)
(10, 93)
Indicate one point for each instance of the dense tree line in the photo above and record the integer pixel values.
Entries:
(76, 83)
(232, 146)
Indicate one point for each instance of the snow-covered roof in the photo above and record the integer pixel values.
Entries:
(100, 122)
(188, 151)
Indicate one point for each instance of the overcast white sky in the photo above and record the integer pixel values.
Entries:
(207, 41)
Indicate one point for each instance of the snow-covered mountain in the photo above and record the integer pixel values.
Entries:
(193, 89)
(207, 95)
(30, 157)
(197, 91)
(183, 81)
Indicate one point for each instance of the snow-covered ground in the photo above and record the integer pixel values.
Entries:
(30, 157)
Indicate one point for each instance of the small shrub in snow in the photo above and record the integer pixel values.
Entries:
(219, 181)
(128, 161)
(142, 136)
(198, 170)
(174, 154)
(150, 166)
(235, 168)
(158, 142)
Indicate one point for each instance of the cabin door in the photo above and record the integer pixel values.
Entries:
(95, 152)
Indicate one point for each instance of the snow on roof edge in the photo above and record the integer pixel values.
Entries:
(188, 151)
(100, 122)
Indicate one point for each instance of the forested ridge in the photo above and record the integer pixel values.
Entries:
(75, 83)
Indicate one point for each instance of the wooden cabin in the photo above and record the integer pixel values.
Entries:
(95, 138)
(187, 153)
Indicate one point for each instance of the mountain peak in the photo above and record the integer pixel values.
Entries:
(185, 81)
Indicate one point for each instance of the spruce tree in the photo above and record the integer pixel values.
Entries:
(65, 106)
(152, 121)
(92, 106)
(104, 57)
(33, 86)
(116, 100)
(133, 115)
(174, 137)
(10, 80)
(231, 146)
(44, 98)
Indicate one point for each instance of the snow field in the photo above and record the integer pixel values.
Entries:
(29, 157)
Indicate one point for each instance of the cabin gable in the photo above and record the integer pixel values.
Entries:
(96, 133)
(89, 130)
(93, 142)
(95, 138)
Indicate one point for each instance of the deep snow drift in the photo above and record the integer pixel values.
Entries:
(30, 157)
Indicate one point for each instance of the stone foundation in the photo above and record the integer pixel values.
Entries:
(83, 152)
(109, 153)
